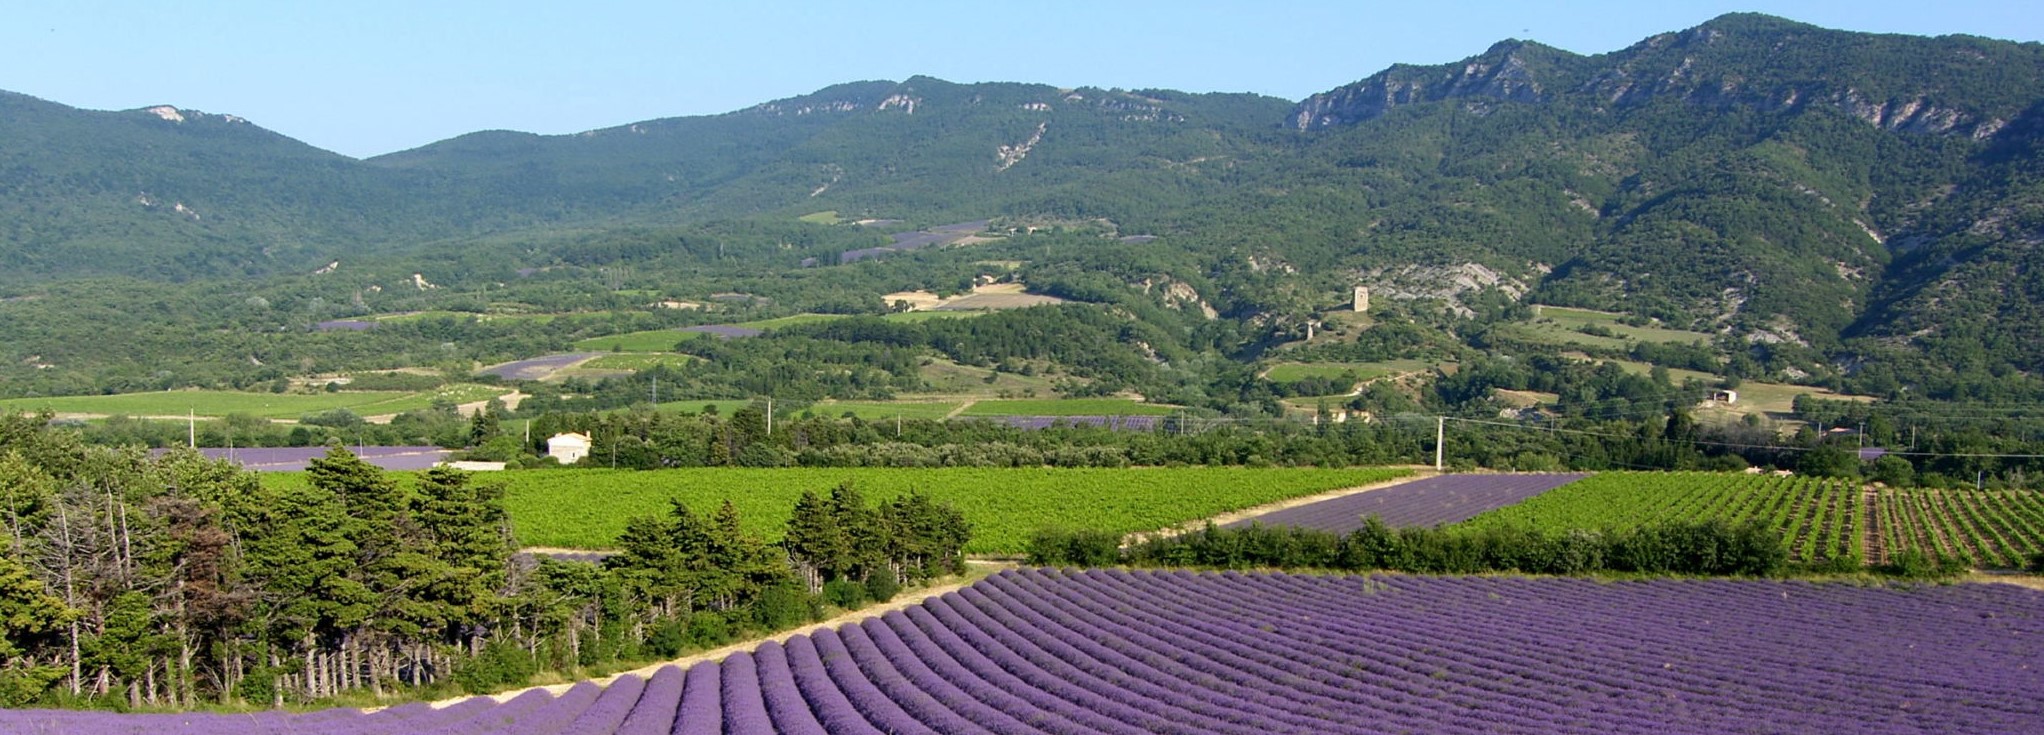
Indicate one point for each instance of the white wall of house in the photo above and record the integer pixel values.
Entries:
(568, 448)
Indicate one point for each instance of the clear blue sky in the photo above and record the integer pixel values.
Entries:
(370, 76)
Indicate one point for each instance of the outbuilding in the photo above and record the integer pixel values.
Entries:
(568, 448)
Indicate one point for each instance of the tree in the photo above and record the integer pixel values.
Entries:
(814, 541)
(483, 426)
(923, 539)
(31, 623)
(746, 564)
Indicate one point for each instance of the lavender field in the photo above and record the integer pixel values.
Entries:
(296, 459)
(1139, 652)
(539, 367)
(1430, 501)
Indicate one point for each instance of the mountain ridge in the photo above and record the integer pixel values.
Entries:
(1767, 180)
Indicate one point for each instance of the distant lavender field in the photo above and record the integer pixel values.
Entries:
(293, 459)
(724, 330)
(911, 241)
(538, 367)
(1128, 652)
(344, 325)
(1119, 423)
(1427, 502)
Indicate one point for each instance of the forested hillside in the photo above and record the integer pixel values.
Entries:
(1821, 202)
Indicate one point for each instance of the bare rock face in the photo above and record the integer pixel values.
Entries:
(1739, 60)
(1502, 73)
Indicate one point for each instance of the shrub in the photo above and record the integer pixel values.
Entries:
(1915, 564)
(502, 663)
(668, 638)
(785, 606)
(708, 630)
(1052, 547)
(845, 593)
(882, 587)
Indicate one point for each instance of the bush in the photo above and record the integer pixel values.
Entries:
(668, 638)
(1708, 548)
(2037, 562)
(1914, 564)
(845, 593)
(882, 587)
(785, 606)
(1052, 547)
(708, 630)
(502, 663)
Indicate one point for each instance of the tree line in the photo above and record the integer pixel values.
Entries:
(132, 581)
(1711, 547)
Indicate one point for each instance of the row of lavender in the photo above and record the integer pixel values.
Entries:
(1139, 652)
(1430, 501)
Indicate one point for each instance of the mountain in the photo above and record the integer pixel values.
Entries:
(918, 147)
(1841, 194)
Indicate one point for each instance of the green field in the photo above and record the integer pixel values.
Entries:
(825, 217)
(1293, 371)
(1068, 407)
(651, 340)
(461, 316)
(664, 340)
(1558, 325)
(724, 406)
(924, 316)
(635, 361)
(587, 509)
(791, 321)
(878, 410)
(1678, 375)
(265, 405)
(947, 378)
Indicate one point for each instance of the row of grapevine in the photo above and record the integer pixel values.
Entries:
(1819, 518)
(1127, 652)
(1987, 528)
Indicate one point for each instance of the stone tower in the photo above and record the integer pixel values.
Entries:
(1362, 302)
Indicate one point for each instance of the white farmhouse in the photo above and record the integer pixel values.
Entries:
(568, 448)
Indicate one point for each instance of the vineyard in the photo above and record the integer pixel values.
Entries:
(1138, 652)
(1819, 518)
(587, 509)
(1987, 528)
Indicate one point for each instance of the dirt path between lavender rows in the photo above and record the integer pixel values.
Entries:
(911, 599)
(2031, 581)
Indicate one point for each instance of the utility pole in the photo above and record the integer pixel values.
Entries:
(1440, 433)
(192, 428)
(770, 413)
(897, 426)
